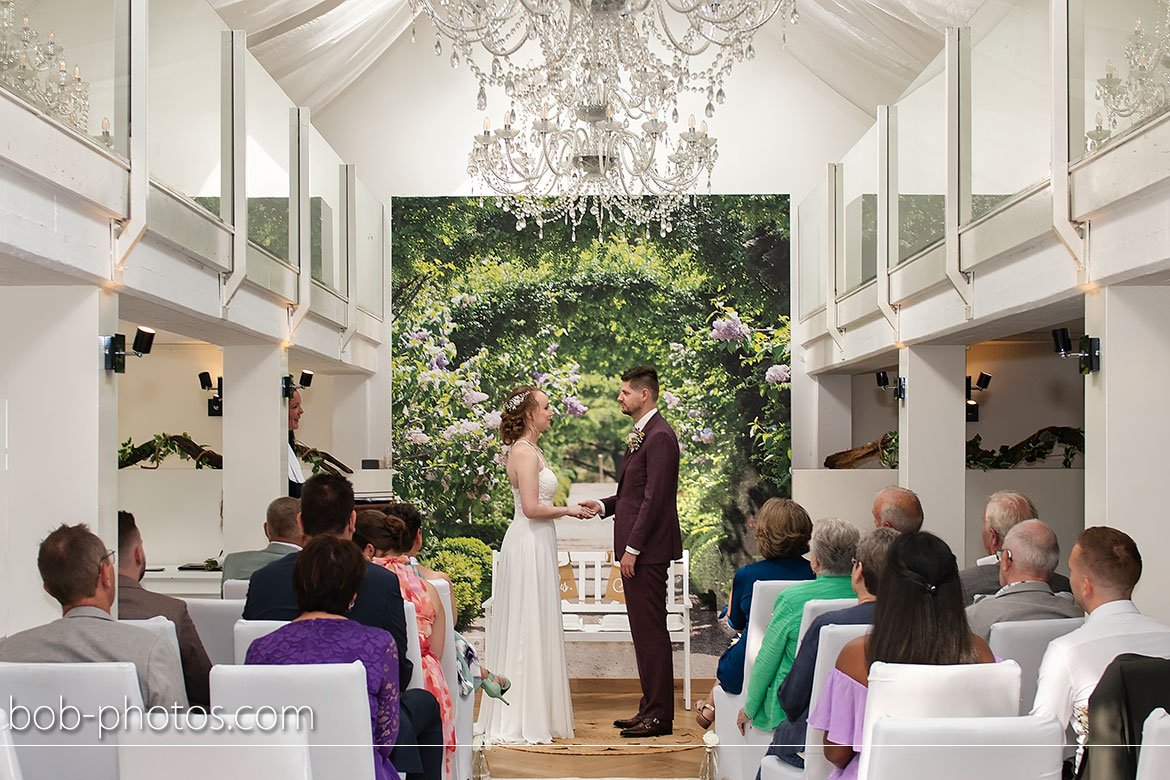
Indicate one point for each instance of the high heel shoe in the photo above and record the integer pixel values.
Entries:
(493, 686)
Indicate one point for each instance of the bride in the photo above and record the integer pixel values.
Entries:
(525, 638)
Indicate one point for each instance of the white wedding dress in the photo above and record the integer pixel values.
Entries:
(525, 638)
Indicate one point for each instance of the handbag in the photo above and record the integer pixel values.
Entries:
(568, 581)
(615, 587)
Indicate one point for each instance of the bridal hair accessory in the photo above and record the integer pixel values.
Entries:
(635, 439)
(516, 401)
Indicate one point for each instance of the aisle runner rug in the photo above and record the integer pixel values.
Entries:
(600, 738)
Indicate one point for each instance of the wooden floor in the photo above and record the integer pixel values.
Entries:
(597, 750)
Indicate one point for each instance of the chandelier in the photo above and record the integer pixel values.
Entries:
(36, 70)
(1144, 92)
(591, 85)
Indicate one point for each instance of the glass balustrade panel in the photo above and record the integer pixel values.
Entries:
(269, 128)
(1010, 101)
(62, 57)
(327, 215)
(1124, 79)
(857, 254)
(922, 162)
(186, 101)
(813, 232)
(370, 250)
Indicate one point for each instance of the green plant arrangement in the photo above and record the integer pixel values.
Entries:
(1035, 448)
(468, 562)
(162, 446)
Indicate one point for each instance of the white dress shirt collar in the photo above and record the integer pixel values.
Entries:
(641, 424)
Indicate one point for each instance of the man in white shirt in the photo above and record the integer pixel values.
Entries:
(1105, 566)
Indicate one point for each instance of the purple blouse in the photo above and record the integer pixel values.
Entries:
(840, 713)
(326, 641)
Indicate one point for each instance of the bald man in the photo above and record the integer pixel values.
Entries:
(898, 508)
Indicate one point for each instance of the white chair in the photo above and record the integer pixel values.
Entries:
(235, 589)
(215, 621)
(340, 740)
(9, 766)
(930, 691)
(464, 705)
(1024, 641)
(94, 689)
(162, 626)
(731, 751)
(815, 608)
(413, 648)
(816, 766)
(1154, 757)
(1012, 748)
(245, 632)
(241, 747)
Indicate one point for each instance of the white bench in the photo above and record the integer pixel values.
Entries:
(592, 618)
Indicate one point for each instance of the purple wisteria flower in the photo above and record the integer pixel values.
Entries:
(730, 328)
(418, 335)
(705, 436)
(473, 397)
(438, 361)
(538, 378)
(695, 413)
(670, 399)
(573, 407)
(492, 419)
(417, 437)
(552, 348)
(778, 373)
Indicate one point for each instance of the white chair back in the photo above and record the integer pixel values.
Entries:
(85, 749)
(215, 621)
(235, 589)
(1024, 641)
(833, 638)
(930, 691)
(245, 632)
(162, 626)
(737, 754)
(335, 695)
(413, 647)
(1154, 757)
(9, 766)
(463, 706)
(242, 747)
(814, 608)
(1019, 748)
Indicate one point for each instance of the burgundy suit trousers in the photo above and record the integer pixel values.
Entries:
(646, 606)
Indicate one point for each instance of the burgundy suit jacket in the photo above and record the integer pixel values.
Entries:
(645, 508)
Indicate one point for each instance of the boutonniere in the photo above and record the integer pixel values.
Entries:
(635, 439)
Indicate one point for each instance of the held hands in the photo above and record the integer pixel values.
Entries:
(583, 509)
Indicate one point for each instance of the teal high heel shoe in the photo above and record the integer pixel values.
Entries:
(492, 686)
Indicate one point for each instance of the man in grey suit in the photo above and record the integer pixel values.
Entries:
(78, 571)
(1005, 509)
(1030, 553)
(284, 536)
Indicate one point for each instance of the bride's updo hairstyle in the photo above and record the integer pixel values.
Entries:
(513, 415)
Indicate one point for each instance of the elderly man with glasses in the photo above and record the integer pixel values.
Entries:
(80, 573)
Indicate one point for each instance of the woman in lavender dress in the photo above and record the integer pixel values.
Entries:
(326, 578)
(919, 619)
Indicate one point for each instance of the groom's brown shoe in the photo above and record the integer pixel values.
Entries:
(648, 727)
(628, 723)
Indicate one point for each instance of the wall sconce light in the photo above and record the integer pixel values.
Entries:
(899, 388)
(981, 384)
(114, 348)
(215, 403)
(287, 388)
(1089, 349)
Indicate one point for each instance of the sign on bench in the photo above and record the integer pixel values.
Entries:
(591, 617)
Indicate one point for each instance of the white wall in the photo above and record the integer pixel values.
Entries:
(177, 511)
(875, 411)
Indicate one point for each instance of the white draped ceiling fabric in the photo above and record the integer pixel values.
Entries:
(868, 51)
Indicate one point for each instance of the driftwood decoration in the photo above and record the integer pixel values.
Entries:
(163, 445)
(320, 460)
(1036, 447)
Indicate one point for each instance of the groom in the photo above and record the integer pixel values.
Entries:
(647, 538)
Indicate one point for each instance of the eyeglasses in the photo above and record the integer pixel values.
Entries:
(1000, 553)
(111, 556)
(854, 562)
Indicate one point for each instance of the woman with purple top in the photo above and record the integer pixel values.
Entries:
(919, 619)
(326, 578)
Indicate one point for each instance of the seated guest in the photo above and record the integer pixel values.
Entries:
(782, 533)
(137, 603)
(1005, 509)
(413, 519)
(1030, 553)
(788, 741)
(898, 508)
(284, 537)
(1105, 566)
(326, 578)
(919, 619)
(386, 541)
(77, 570)
(1130, 688)
(327, 510)
(834, 546)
